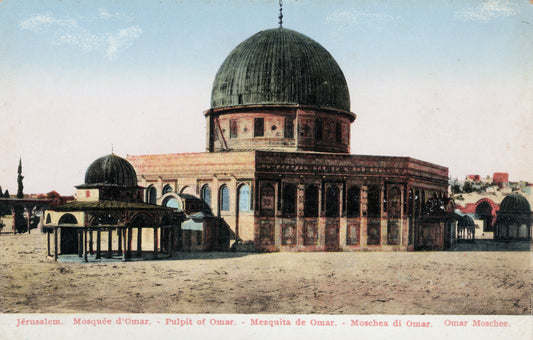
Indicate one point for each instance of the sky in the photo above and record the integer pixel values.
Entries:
(448, 82)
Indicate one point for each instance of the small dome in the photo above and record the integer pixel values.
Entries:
(466, 221)
(280, 66)
(111, 170)
(515, 203)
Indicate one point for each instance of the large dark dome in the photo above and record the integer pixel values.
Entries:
(515, 203)
(111, 170)
(280, 66)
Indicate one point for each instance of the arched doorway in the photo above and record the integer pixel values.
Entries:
(69, 234)
(139, 222)
(484, 212)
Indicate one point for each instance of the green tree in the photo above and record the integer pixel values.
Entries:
(21, 224)
(20, 193)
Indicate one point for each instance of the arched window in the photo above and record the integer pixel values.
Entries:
(289, 200)
(48, 219)
(395, 213)
(141, 220)
(311, 201)
(395, 203)
(224, 198)
(259, 127)
(151, 195)
(374, 202)
(423, 202)
(103, 218)
(206, 194)
(332, 201)
(353, 202)
(172, 203)
(68, 219)
(411, 203)
(267, 200)
(167, 189)
(411, 211)
(244, 198)
(417, 203)
(338, 132)
(188, 190)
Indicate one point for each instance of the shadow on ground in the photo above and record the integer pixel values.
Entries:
(148, 256)
(491, 245)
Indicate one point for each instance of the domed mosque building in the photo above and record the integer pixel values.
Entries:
(278, 168)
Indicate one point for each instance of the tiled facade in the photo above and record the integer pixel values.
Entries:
(278, 168)
(307, 201)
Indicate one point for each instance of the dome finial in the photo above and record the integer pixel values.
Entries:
(112, 149)
(280, 14)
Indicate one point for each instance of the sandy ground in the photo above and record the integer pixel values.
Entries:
(324, 283)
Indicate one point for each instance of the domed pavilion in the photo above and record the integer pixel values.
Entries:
(110, 202)
(278, 168)
(513, 222)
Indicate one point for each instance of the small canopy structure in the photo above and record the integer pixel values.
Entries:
(74, 224)
(513, 222)
(466, 229)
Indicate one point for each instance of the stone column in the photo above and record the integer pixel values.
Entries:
(321, 219)
(215, 196)
(363, 227)
(156, 241)
(91, 248)
(85, 245)
(98, 240)
(384, 214)
(139, 241)
(48, 243)
(277, 217)
(343, 222)
(404, 229)
(119, 233)
(300, 201)
(80, 242)
(55, 243)
(109, 244)
(234, 203)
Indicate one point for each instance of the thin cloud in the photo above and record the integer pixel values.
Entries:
(487, 11)
(349, 19)
(39, 22)
(103, 13)
(68, 31)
